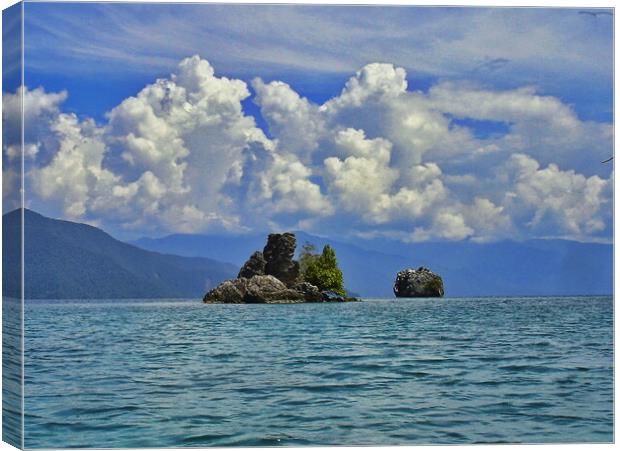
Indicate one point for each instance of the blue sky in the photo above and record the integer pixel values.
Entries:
(120, 48)
(465, 123)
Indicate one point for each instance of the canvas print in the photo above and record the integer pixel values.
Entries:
(306, 225)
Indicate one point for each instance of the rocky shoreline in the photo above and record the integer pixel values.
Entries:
(271, 277)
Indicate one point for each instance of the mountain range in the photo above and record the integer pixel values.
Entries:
(527, 268)
(67, 260)
(72, 260)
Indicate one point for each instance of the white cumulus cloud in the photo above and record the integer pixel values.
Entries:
(380, 158)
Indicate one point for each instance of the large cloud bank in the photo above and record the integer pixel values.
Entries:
(380, 159)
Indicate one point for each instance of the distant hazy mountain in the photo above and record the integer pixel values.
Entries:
(68, 260)
(536, 267)
(227, 248)
(533, 267)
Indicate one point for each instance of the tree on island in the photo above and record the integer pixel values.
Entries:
(274, 277)
(307, 257)
(321, 270)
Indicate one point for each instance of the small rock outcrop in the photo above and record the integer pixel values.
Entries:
(331, 296)
(261, 290)
(271, 277)
(310, 292)
(268, 289)
(278, 254)
(228, 292)
(255, 266)
(418, 283)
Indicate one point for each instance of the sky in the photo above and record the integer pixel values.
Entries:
(411, 123)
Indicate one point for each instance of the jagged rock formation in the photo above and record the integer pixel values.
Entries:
(255, 266)
(268, 289)
(310, 292)
(271, 277)
(255, 290)
(228, 292)
(278, 254)
(418, 283)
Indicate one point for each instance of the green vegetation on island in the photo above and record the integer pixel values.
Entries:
(322, 269)
(273, 276)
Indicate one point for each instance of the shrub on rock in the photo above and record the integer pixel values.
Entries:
(324, 273)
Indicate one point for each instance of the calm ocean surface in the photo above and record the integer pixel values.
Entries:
(167, 374)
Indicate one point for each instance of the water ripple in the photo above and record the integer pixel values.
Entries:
(381, 372)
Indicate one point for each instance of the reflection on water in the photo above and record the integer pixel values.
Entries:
(379, 372)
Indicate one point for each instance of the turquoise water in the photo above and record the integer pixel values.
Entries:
(168, 374)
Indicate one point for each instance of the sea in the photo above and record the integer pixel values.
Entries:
(178, 373)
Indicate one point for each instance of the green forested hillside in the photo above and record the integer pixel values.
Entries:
(67, 260)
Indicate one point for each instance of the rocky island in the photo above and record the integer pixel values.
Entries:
(418, 283)
(274, 277)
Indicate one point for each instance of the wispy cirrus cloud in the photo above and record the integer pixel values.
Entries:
(443, 42)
